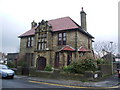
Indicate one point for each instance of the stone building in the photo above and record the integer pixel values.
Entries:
(12, 57)
(55, 42)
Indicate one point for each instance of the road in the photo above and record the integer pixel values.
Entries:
(23, 82)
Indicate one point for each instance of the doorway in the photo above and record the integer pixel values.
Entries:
(41, 63)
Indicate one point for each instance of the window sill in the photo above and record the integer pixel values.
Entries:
(41, 50)
(29, 47)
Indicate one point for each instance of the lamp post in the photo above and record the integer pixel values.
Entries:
(111, 56)
(111, 46)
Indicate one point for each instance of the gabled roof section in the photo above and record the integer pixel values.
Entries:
(60, 24)
(83, 49)
(29, 32)
(64, 23)
(67, 48)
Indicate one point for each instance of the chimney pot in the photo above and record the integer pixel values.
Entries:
(33, 24)
(83, 20)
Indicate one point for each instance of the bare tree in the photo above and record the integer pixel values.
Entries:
(108, 46)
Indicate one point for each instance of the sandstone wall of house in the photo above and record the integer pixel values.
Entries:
(49, 40)
(23, 45)
(53, 47)
(23, 48)
(48, 52)
(70, 40)
(35, 41)
(45, 54)
(82, 40)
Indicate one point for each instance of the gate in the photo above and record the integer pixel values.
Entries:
(25, 71)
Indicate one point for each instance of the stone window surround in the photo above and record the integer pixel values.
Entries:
(62, 38)
(29, 42)
(41, 45)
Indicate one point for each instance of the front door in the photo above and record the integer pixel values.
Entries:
(56, 64)
(69, 57)
(41, 64)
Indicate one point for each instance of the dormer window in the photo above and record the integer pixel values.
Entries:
(29, 42)
(62, 38)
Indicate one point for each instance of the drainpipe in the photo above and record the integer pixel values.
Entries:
(76, 45)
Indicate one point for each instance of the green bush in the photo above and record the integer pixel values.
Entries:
(22, 63)
(100, 61)
(87, 64)
(66, 68)
(72, 68)
(10, 64)
(69, 68)
(48, 68)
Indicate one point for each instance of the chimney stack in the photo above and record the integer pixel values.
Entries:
(33, 24)
(83, 20)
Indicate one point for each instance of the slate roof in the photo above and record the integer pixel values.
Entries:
(30, 32)
(60, 24)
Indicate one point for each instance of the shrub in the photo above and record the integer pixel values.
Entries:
(88, 64)
(48, 68)
(74, 67)
(84, 64)
(10, 64)
(22, 63)
(100, 61)
(69, 68)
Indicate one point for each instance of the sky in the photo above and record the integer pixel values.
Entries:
(16, 17)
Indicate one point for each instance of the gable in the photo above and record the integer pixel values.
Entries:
(43, 26)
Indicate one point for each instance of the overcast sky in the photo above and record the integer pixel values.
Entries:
(16, 17)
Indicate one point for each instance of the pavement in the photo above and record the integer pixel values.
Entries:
(111, 81)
